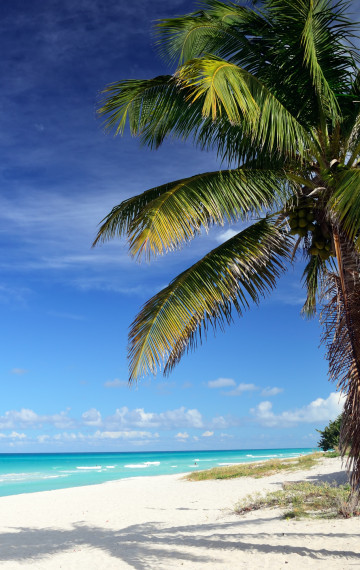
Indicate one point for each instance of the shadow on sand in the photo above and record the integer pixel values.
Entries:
(139, 545)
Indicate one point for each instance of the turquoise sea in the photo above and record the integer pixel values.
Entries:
(32, 472)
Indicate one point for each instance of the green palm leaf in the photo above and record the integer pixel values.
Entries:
(345, 201)
(238, 272)
(244, 100)
(221, 28)
(313, 277)
(165, 217)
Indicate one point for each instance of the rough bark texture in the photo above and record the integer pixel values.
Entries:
(341, 320)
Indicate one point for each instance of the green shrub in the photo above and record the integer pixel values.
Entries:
(330, 435)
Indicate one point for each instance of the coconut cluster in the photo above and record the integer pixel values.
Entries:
(321, 244)
(302, 221)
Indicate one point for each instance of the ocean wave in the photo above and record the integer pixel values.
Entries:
(110, 467)
(225, 464)
(97, 467)
(136, 466)
(20, 476)
(152, 463)
(52, 476)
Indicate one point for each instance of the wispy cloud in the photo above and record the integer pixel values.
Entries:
(92, 417)
(241, 388)
(182, 436)
(116, 383)
(268, 392)
(221, 383)
(19, 371)
(70, 316)
(207, 434)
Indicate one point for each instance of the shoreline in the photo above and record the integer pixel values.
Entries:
(166, 522)
(54, 475)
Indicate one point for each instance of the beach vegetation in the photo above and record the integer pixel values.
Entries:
(305, 499)
(274, 88)
(330, 435)
(256, 470)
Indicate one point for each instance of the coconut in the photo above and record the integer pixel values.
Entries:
(319, 244)
(302, 213)
(302, 232)
(303, 223)
(310, 217)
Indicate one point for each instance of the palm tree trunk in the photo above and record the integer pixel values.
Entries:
(344, 360)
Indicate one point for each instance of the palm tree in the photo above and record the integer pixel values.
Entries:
(274, 88)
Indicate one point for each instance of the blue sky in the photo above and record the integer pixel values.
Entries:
(66, 307)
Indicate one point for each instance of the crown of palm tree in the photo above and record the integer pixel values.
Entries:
(274, 88)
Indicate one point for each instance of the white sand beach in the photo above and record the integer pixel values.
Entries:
(165, 522)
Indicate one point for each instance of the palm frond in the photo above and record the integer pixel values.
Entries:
(224, 29)
(238, 272)
(229, 90)
(141, 102)
(165, 217)
(313, 277)
(345, 201)
(315, 37)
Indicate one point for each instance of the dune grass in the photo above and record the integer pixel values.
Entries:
(256, 470)
(306, 499)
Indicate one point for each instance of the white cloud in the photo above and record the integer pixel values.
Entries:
(16, 435)
(132, 434)
(319, 410)
(241, 388)
(219, 422)
(227, 234)
(18, 371)
(182, 436)
(221, 383)
(13, 435)
(170, 419)
(92, 417)
(268, 392)
(30, 419)
(207, 434)
(116, 383)
(43, 438)
(226, 435)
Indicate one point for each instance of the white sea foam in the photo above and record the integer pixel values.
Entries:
(52, 476)
(225, 464)
(174, 466)
(97, 467)
(152, 463)
(110, 467)
(136, 466)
